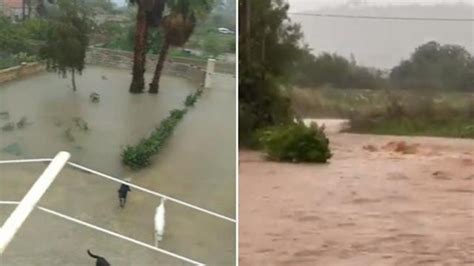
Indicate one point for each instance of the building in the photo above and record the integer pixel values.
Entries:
(15, 9)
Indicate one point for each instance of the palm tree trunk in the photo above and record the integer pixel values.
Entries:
(28, 3)
(139, 58)
(154, 85)
(23, 9)
(73, 79)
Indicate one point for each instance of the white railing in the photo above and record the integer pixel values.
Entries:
(103, 230)
(151, 192)
(29, 202)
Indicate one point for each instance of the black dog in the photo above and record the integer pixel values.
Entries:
(100, 261)
(122, 193)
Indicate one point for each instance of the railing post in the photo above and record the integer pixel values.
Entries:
(29, 201)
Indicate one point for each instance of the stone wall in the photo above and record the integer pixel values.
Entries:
(123, 59)
(23, 70)
(192, 69)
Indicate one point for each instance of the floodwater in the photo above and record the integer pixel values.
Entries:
(381, 200)
(197, 166)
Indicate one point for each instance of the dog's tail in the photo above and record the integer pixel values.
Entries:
(92, 255)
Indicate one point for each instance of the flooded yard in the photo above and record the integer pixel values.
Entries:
(197, 166)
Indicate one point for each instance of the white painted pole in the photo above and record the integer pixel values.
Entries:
(29, 201)
(211, 63)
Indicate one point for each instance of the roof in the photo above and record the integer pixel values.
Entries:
(13, 3)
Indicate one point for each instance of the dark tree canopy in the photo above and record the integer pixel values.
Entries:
(67, 39)
(153, 9)
(269, 46)
(336, 71)
(436, 66)
(178, 26)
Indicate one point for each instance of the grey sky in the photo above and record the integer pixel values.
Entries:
(306, 5)
(382, 43)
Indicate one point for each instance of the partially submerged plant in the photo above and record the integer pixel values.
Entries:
(68, 134)
(296, 143)
(81, 123)
(94, 97)
(4, 115)
(139, 156)
(22, 123)
(192, 98)
(8, 127)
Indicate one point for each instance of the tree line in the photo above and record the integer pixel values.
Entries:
(64, 34)
(432, 66)
(273, 58)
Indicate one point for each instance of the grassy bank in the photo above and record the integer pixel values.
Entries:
(410, 113)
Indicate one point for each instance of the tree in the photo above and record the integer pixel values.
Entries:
(67, 40)
(436, 66)
(334, 70)
(149, 14)
(178, 27)
(269, 46)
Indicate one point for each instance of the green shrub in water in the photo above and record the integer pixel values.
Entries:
(138, 156)
(192, 98)
(296, 143)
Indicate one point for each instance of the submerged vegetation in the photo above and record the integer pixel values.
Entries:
(296, 143)
(139, 156)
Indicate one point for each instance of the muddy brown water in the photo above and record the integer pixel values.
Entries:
(197, 165)
(378, 206)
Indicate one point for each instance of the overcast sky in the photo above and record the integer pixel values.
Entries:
(382, 43)
(307, 5)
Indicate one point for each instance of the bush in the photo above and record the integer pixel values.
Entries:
(296, 143)
(192, 98)
(138, 156)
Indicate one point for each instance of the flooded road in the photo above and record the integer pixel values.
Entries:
(381, 200)
(197, 166)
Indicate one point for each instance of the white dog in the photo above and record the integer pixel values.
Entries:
(160, 222)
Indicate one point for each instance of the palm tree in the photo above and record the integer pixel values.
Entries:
(178, 27)
(149, 14)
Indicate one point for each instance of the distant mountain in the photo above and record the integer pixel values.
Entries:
(384, 43)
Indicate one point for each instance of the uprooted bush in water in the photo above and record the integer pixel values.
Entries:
(296, 143)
